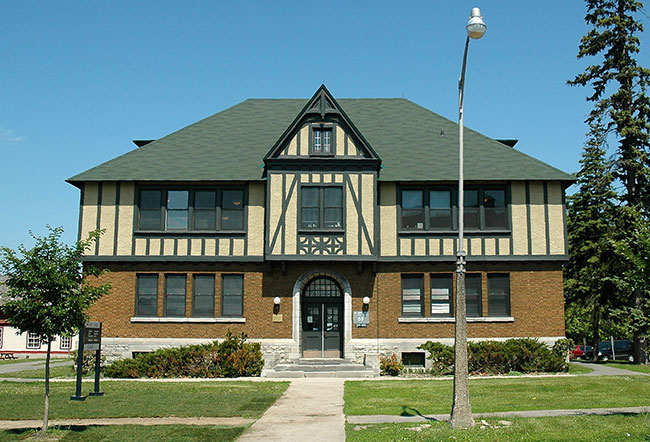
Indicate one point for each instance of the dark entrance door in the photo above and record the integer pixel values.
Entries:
(322, 319)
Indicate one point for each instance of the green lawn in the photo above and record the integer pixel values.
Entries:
(579, 369)
(135, 433)
(142, 399)
(565, 428)
(628, 366)
(507, 394)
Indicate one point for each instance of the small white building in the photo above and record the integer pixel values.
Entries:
(28, 344)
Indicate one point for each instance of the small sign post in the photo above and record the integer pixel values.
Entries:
(80, 362)
(90, 338)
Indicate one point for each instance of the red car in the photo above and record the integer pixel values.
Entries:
(582, 352)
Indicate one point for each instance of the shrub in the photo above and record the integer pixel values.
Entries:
(441, 357)
(87, 362)
(524, 355)
(230, 358)
(563, 346)
(390, 365)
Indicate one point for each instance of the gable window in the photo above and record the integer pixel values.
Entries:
(201, 210)
(65, 342)
(321, 207)
(441, 295)
(146, 295)
(175, 295)
(474, 299)
(412, 295)
(33, 341)
(498, 294)
(203, 301)
(436, 208)
(322, 141)
(232, 295)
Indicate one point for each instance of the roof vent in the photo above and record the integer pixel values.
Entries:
(141, 143)
(510, 142)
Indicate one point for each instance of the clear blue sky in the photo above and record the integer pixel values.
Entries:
(80, 80)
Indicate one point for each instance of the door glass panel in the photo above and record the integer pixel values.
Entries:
(312, 318)
(332, 318)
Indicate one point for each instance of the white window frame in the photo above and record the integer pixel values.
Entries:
(30, 337)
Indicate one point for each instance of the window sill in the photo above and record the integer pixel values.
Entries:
(322, 232)
(455, 232)
(187, 320)
(453, 320)
(189, 232)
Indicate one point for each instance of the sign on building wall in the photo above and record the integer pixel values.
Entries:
(361, 319)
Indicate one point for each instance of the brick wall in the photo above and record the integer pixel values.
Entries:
(536, 294)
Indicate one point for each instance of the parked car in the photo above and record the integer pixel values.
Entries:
(623, 350)
(582, 352)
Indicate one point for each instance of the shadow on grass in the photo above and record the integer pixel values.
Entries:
(409, 411)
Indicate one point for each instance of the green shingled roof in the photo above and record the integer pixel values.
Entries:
(413, 143)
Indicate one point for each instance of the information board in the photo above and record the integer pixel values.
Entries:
(93, 336)
(361, 319)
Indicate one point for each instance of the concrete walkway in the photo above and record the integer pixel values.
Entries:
(310, 410)
(384, 419)
(30, 365)
(33, 423)
(604, 370)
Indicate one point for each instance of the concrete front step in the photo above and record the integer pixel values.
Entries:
(319, 374)
(320, 368)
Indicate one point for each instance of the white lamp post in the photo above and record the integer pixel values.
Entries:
(461, 413)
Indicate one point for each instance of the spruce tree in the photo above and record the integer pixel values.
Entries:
(619, 93)
(590, 226)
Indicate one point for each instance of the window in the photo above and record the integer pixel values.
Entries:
(412, 209)
(232, 295)
(191, 209)
(147, 295)
(412, 299)
(441, 295)
(232, 210)
(175, 295)
(65, 342)
(1, 332)
(437, 209)
(498, 295)
(33, 341)
(203, 301)
(322, 141)
(494, 206)
(473, 295)
(440, 212)
(321, 207)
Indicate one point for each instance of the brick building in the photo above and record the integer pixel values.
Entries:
(323, 228)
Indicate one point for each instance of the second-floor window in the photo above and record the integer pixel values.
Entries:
(321, 208)
(322, 141)
(430, 209)
(191, 209)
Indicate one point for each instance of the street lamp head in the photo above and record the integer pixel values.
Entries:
(475, 25)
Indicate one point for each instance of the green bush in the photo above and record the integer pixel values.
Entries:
(231, 357)
(524, 355)
(563, 346)
(87, 362)
(441, 357)
(390, 365)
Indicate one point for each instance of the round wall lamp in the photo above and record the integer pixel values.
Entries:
(366, 300)
(276, 300)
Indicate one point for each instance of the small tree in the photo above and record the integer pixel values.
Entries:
(47, 291)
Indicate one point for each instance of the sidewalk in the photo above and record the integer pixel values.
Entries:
(310, 410)
(604, 370)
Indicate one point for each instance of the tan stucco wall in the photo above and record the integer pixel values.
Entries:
(125, 219)
(256, 198)
(89, 209)
(519, 218)
(556, 219)
(388, 219)
(537, 218)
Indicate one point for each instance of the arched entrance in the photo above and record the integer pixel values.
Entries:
(322, 318)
